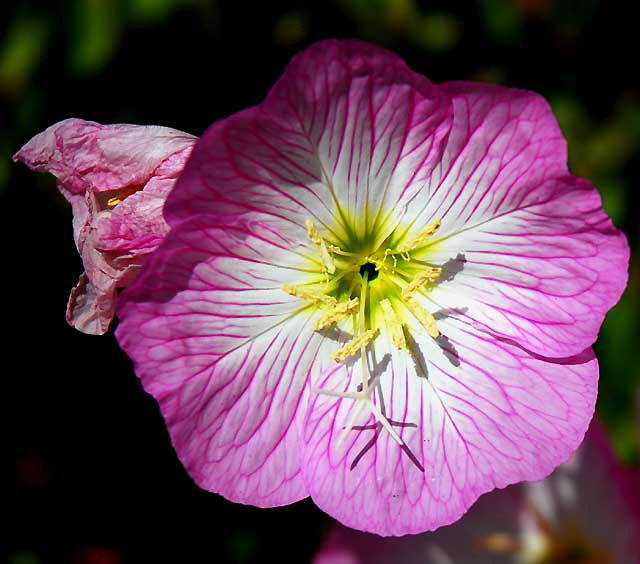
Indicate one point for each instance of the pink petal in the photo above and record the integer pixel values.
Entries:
(487, 415)
(347, 126)
(538, 260)
(96, 163)
(213, 340)
(85, 155)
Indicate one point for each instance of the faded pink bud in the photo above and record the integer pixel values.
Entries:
(116, 178)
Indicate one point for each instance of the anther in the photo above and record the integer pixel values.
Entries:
(312, 232)
(327, 260)
(309, 294)
(422, 315)
(419, 238)
(123, 194)
(393, 324)
(353, 346)
(336, 313)
(427, 276)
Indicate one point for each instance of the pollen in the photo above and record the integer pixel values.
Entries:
(338, 312)
(353, 346)
(393, 324)
(422, 315)
(420, 238)
(327, 260)
(309, 294)
(426, 276)
(312, 232)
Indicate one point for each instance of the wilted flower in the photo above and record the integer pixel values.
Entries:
(378, 292)
(586, 512)
(116, 178)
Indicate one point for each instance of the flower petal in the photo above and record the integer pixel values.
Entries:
(131, 167)
(343, 132)
(216, 342)
(532, 255)
(544, 275)
(84, 154)
(480, 414)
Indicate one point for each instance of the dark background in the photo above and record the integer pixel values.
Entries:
(88, 473)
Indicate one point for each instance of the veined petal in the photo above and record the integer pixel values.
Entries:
(479, 414)
(531, 254)
(544, 275)
(218, 344)
(341, 135)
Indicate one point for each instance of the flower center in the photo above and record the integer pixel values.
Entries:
(370, 269)
(371, 289)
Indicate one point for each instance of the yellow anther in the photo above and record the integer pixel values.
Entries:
(419, 238)
(393, 324)
(353, 346)
(422, 315)
(123, 194)
(429, 275)
(336, 313)
(327, 259)
(325, 250)
(313, 232)
(309, 294)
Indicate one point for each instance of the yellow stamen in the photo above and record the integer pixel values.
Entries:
(327, 259)
(420, 237)
(427, 276)
(353, 346)
(123, 194)
(393, 324)
(312, 232)
(325, 250)
(422, 315)
(309, 294)
(338, 312)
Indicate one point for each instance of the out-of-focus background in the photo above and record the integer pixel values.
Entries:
(88, 473)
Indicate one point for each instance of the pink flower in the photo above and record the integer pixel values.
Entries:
(116, 178)
(587, 511)
(378, 292)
